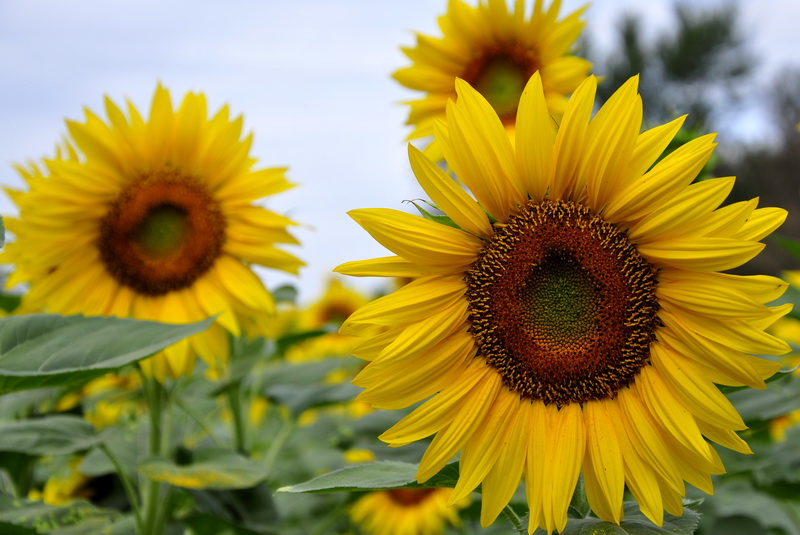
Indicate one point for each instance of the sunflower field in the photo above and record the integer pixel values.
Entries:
(575, 328)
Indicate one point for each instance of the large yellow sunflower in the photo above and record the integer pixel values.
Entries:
(496, 50)
(152, 219)
(577, 318)
(406, 512)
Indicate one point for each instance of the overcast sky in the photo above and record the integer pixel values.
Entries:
(312, 79)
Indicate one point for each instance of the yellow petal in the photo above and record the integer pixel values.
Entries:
(387, 266)
(482, 451)
(603, 470)
(419, 240)
(716, 301)
(564, 460)
(675, 420)
(503, 479)
(480, 153)
(414, 301)
(682, 210)
(473, 410)
(569, 143)
(535, 137)
(610, 140)
(449, 196)
(665, 180)
(437, 412)
(687, 383)
(700, 254)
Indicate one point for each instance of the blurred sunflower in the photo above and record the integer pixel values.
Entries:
(496, 50)
(406, 511)
(65, 485)
(577, 319)
(336, 304)
(152, 219)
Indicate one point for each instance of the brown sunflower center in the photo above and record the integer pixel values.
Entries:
(562, 304)
(161, 233)
(500, 75)
(409, 496)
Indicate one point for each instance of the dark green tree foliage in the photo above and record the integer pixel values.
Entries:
(771, 170)
(695, 67)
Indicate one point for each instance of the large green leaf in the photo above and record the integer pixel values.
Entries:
(51, 435)
(634, 523)
(212, 468)
(41, 350)
(375, 476)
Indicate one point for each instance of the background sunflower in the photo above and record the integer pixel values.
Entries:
(152, 219)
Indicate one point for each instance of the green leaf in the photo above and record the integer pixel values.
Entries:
(443, 219)
(99, 526)
(379, 475)
(42, 350)
(251, 508)
(51, 435)
(285, 294)
(7, 528)
(635, 523)
(300, 399)
(212, 468)
(790, 245)
(2, 232)
(288, 340)
(782, 397)
(38, 517)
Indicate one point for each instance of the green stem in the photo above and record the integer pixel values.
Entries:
(127, 484)
(512, 517)
(277, 444)
(152, 498)
(198, 420)
(165, 509)
(234, 393)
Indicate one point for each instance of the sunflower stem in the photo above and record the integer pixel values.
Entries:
(234, 394)
(127, 484)
(285, 431)
(514, 518)
(154, 393)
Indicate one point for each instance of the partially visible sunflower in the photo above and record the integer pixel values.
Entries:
(65, 485)
(152, 219)
(496, 50)
(578, 317)
(407, 511)
(337, 302)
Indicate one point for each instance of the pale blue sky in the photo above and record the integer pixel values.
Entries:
(310, 76)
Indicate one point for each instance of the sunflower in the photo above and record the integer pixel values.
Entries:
(406, 511)
(496, 50)
(152, 219)
(576, 315)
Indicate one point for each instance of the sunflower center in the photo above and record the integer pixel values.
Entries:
(161, 233)
(562, 304)
(409, 496)
(500, 76)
